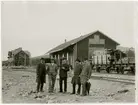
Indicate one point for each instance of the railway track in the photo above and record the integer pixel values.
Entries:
(101, 77)
(128, 81)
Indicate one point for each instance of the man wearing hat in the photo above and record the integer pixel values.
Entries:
(85, 75)
(76, 79)
(64, 68)
(52, 73)
(40, 75)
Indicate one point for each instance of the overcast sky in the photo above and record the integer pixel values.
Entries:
(40, 26)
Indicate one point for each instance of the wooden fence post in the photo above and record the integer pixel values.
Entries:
(101, 59)
(93, 60)
(97, 60)
(106, 59)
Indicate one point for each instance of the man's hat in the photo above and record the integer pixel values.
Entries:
(77, 60)
(63, 58)
(52, 59)
(42, 59)
(85, 59)
(90, 59)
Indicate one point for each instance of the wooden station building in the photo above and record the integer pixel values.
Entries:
(85, 46)
(19, 57)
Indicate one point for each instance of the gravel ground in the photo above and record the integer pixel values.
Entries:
(20, 86)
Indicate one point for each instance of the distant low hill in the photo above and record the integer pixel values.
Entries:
(36, 60)
(41, 56)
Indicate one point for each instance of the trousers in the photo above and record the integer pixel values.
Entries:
(51, 80)
(84, 89)
(74, 88)
(40, 85)
(65, 83)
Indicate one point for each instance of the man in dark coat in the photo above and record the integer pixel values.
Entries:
(64, 68)
(85, 75)
(40, 75)
(76, 79)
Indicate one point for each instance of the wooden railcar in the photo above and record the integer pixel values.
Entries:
(114, 61)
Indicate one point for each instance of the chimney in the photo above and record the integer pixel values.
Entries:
(65, 40)
(20, 48)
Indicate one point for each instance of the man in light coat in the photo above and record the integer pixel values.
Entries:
(52, 73)
(85, 75)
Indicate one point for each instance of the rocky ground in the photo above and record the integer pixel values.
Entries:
(20, 86)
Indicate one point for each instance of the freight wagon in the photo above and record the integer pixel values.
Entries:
(113, 60)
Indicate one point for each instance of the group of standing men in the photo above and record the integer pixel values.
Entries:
(82, 73)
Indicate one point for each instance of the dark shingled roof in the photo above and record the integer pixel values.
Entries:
(28, 53)
(16, 51)
(74, 41)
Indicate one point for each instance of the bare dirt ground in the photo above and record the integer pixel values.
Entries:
(20, 86)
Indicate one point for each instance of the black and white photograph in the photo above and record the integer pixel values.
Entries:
(68, 52)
